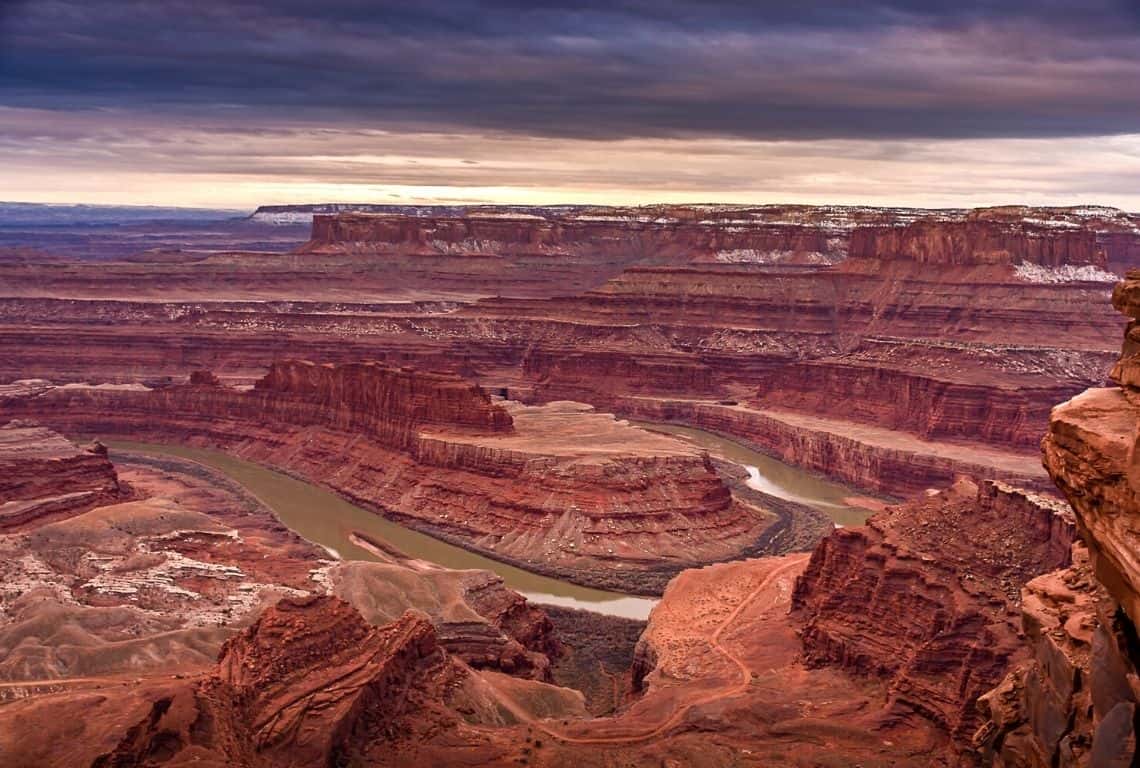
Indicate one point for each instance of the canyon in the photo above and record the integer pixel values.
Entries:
(950, 331)
(517, 381)
(557, 487)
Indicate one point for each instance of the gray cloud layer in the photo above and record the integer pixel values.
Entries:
(814, 69)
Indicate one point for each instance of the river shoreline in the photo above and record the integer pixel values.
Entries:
(796, 527)
(623, 604)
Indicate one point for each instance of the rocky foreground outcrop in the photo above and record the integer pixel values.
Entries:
(924, 597)
(310, 683)
(1075, 701)
(558, 488)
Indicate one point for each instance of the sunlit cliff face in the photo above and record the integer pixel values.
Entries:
(251, 101)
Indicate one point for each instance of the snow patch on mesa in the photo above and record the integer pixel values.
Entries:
(283, 218)
(1068, 273)
(750, 256)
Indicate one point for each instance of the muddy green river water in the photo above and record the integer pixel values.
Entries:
(776, 478)
(324, 518)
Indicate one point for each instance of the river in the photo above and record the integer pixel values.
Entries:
(844, 505)
(324, 518)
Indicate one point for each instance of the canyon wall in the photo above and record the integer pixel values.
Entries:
(42, 475)
(600, 305)
(925, 595)
(881, 460)
(628, 238)
(559, 487)
(932, 389)
(977, 242)
(1075, 700)
(371, 398)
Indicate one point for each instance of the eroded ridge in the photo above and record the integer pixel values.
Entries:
(1074, 701)
(558, 488)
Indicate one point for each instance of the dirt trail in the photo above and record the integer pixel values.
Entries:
(767, 585)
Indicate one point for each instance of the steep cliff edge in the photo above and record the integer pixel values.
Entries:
(43, 475)
(608, 237)
(1075, 701)
(978, 242)
(558, 488)
(360, 396)
(924, 596)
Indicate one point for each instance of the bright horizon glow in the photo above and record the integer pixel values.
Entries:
(890, 102)
(114, 158)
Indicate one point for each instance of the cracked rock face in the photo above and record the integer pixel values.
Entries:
(925, 595)
(1073, 703)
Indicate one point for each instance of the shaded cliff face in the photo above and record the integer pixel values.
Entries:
(924, 596)
(1075, 700)
(937, 390)
(352, 392)
(882, 460)
(1090, 451)
(1072, 701)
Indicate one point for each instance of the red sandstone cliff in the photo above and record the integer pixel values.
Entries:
(629, 238)
(675, 319)
(924, 596)
(310, 683)
(44, 475)
(374, 398)
(577, 492)
(1075, 700)
(934, 390)
(977, 242)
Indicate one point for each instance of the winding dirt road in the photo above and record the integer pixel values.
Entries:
(795, 562)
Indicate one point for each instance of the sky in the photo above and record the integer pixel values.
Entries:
(237, 103)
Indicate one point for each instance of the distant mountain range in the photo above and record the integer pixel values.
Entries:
(41, 215)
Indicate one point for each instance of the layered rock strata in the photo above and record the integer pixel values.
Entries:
(977, 242)
(924, 597)
(1075, 701)
(557, 487)
(882, 460)
(43, 475)
(309, 683)
(159, 582)
(701, 302)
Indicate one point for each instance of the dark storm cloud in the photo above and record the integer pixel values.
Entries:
(623, 68)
